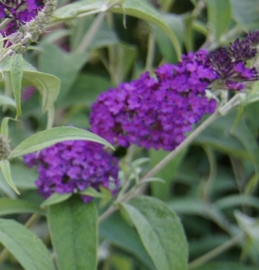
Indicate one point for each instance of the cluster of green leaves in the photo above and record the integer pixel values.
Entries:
(211, 185)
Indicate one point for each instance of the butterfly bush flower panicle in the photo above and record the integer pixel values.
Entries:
(156, 112)
(73, 166)
(230, 63)
(24, 20)
(18, 12)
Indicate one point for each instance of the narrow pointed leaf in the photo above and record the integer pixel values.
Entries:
(120, 234)
(92, 192)
(160, 232)
(7, 101)
(10, 206)
(16, 70)
(52, 59)
(140, 9)
(73, 230)
(6, 171)
(55, 198)
(219, 13)
(223, 265)
(47, 84)
(49, 137)
(4, 127)
(245, 13)
(25, 246)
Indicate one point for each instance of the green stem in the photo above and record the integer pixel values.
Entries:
(211, 44)
(216, 252)
(150, 52)
(107, 213)
(91, 33)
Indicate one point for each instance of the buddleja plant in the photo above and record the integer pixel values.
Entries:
(87, 186)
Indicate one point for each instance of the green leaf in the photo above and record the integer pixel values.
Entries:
(245, 136)
(225, 266)
(55, 198)
(189, 206)
(7, 101)
(251, 228)
(16, 72)
(219, 15)
(160, 232)
(138, 162)
(49, 137)
(4, 127)
(6, 171)
(188, 33)
(253, 95)
(6, 188)
(245, 13)
(23, 177)
(152, 179)
(10, 206)
(220, 137)
(122, 61)
(92, 192)
(25, 246)
(144, 11)
(73, 230)
(104, 37)
(53, 58)
(88, 87)
(119, 233)
(47, 84)
(159, 190)
(236, 201)
(166, 4)
(140, 9)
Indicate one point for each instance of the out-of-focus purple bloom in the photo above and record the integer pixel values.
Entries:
(156, 112)
(28, 92)
(19, 12)
(74, 166)
(230, 63)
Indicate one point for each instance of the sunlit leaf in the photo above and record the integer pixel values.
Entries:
(49, 137)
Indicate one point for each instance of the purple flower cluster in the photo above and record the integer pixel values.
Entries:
(156, 112)
(230, 63)
(73, 166)
(19, 12)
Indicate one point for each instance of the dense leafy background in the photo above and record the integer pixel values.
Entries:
(212, 186)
